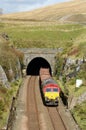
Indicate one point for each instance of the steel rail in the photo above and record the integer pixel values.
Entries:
(33, 121)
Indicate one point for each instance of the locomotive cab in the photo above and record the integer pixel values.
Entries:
(51, 96)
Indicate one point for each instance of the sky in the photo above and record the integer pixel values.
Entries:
(12, 6)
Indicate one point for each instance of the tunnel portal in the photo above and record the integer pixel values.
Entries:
(35, 65)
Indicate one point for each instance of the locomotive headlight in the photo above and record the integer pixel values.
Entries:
(56, 99)
(46, 99)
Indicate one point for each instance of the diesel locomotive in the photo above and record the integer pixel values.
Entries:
(49, 88)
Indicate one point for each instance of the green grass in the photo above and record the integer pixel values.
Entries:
(43, 36)
(6, 95)
(79, 113)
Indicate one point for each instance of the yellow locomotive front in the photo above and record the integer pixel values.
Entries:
(51, 94)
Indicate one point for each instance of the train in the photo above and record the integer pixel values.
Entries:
(49, 87)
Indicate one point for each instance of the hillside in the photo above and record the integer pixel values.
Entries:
(68, 11)
(41, 28)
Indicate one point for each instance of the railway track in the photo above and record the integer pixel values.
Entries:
(41, 117)
(56, 119)
(33, 121)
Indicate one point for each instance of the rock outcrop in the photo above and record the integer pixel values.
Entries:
(3, 77)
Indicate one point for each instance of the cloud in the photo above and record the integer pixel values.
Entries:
(24, 1)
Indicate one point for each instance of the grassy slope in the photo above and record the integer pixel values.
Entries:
(54, 13)
(47, 35)
(79, 113)
(6, 96)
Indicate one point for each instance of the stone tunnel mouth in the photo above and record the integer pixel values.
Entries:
(35, 65)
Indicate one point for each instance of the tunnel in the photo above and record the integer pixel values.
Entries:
(35, 65)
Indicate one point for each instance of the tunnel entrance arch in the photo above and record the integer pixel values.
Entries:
(35, 65)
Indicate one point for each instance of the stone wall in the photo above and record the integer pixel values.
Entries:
(46, 53)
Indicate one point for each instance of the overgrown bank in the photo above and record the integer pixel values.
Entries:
(10, 76)
(79, 113)
(68, 70)
(6, 96)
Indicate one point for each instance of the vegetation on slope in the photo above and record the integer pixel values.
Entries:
(79, 113)
(42, 35)
(9, 61)
(9, 57)
(70, 37)
(6, 96)
(68, 85)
